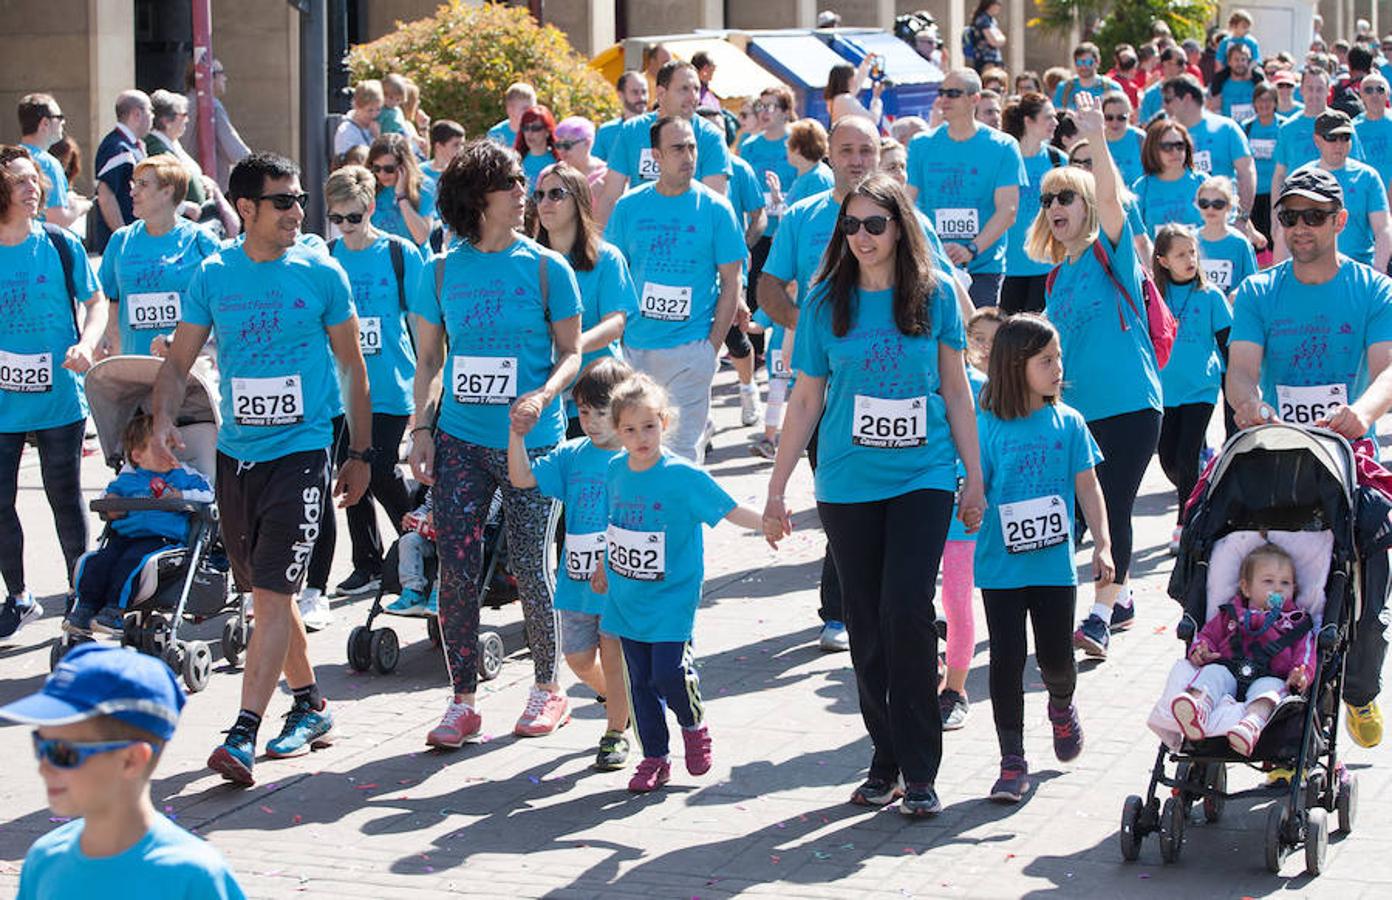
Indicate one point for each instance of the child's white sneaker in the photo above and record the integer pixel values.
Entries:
(1191, 712)
(1243, 736)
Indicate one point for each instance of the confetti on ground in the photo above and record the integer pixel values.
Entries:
(820, 854)
(533, 779)
(775, 859)
(365, 787)
(267, 810)
(848, 846)
(296, 819)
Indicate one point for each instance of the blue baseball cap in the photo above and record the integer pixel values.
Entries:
(103, 680)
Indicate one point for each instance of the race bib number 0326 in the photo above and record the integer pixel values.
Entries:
(640, 555)
(1307, 405)
(26, 373)
(1034, 524)
(892, 424)
(488, 380)
(268, 401)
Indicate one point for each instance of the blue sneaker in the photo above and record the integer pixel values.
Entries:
(1092, 637)
(79, 621)
(834, 638)
(17, 612)
(234, 757)
(432, 606)
(111, 620)
(410, 603)
(1123, 617)
(305, 729)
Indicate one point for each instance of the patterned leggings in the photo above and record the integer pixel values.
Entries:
(466, 476)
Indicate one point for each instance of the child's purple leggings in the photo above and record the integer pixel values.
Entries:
(958, 557)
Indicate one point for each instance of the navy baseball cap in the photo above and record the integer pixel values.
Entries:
(103, 680)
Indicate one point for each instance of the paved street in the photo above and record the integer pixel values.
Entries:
(379, 815)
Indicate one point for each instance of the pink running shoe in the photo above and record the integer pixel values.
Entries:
(1243, 736)
(545, 713)
(652, 773)
(461, 722)
(698, 749)
(1191, 713)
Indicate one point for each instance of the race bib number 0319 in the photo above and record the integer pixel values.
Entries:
(583, 554)
(268, 401)
(957, 224)
(1307, 405)
(370, 335)
(490, 380)
(892, 424)
(1034, 524)
(640, 555)
(665, 302)
(26, 373)
(147, 312)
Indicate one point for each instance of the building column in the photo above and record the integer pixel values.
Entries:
(773, 14)
(1015, 41)
(111, 62)
(588, 24)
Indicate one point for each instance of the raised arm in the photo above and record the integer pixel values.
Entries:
(1091, 125)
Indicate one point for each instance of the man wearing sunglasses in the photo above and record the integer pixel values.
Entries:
(1086, 58)
(287, 339)
(1220, 145)
(633, 97)
(1374, 129)
(1295, 142)
(1311, 343)
(41, 126)
(1367, 236)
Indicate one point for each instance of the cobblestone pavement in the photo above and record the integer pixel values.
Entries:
(379, 815)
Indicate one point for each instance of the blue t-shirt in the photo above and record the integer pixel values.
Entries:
(632, 157)
(884, 431)
(1365, 193)
(1313, 334)
(134, 482)
(1237, 98)
(279, 383)
(499, 330)
(604, 290)
(957, 183)
(167, 862)
(574, 473)
(1227, 262)
(52, 171)
(1152, 103)
(814, 181)
(1108, 369)
(956, 531)
(533, 163)
(1195, 369)
(1126, 153)
(503, 133)
(36, 330)
(1226, 43)
(660, 511)
(604, 139)
(744, 193)
(1295, 143)
(145, 277)
(1376, 137)
(1162, 202)
(1074, 87)
(774, 336)
(383, 334)
(1218, 144)
(1262, 139)
(1017, 261)
(674, 247)
(1038, 457)
(387, 216)
(769, 155)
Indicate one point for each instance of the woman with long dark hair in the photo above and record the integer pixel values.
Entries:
(1167, 189)
(842, 92)
(405, 197)
(1031, 121)
(879, 350)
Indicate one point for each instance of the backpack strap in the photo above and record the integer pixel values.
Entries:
(545, 284)
(1101, 255)
(398, 264)
(1050, 279)
(65, 256)
(1069, 90)
(332, 244)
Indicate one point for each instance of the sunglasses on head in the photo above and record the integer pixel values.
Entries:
(1206, 203)
(875, 225)
(384, 169)
(283, 202)
(952, 93)
(1311, 217)
(350, 218)
(72, 754)
(565, 146)
(1064, 198)
(555, 195)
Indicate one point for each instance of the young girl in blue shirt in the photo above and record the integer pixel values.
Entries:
(1036, 456)
(654, 567)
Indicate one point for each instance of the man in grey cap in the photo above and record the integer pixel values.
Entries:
(1310, 344)
(1367, 237)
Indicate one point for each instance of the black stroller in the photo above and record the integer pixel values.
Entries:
(1277, 478)
(179, 585)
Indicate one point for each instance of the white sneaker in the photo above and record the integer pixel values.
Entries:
(750, 413)
(314, 610)
(1174, 540)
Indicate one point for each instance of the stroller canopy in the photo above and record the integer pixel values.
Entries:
(119, 387)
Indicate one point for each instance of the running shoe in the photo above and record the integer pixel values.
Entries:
(110, 620)
(544, 713)
(1123, 617)
(1364, 723)
(1192, 715)
(1092, 637)
(920, 800)
(314, 610)
(954, 709)
(1013, 781)
(1243, 736)
(358, 583)
(79, 621)
(410, 603)
(834, 637)
(305, 729)
(877, 792)
(459, 724)
(432, 606)
(17, 612)
(1068, 733)
(234, 757)
(750, 413)
(698, 749)
(652, 773)
(763, 447)
(613, 751)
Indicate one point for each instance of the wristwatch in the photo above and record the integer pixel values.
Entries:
(975, 250)
(368, 456)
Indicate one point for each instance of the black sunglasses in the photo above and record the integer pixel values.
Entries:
(535, 126)
(512, 181)
(951, 93)
(57, 117)
(1205, 203)
(1172, 146)
(1311, 217)
(565, 146)
(1064, 198)
(1367, 89)
(71, 754)
(555, 195)
(388, 168)
(350, 218)
(875, 225)
(1339, 138)
(1121, 118)
(1082, 164)
(283, 202)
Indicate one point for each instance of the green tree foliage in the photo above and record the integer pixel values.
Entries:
(1111, 22)
(464, 57)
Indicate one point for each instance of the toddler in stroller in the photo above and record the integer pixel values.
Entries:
(413, 552)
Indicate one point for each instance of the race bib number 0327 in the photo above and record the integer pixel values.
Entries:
(268, 401)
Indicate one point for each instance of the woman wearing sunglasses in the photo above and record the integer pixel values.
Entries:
(511, 311)
(536, 142)
(1167, 189)
(880, 352)
(1113, 378)
(405, 197)
(574, 141)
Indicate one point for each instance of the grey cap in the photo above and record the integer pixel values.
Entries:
(1313, 183)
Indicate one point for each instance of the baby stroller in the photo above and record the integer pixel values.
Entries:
(380, 650)
(178, 585)
(1295, 487)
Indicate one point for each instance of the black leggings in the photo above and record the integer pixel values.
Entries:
(1023, 293)
(1182, 436)
(1127, 442)
(829, 591)
(60, 468)
(887, 555)
(1051, 613)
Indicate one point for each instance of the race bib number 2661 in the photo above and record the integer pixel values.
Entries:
(892, 424)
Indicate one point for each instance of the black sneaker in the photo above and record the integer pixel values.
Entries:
(18, 612)
(954, 709)
(1123, 617)
(920, 800)
(1013, 781)
(79, 621)
(358, 583)
(877, 792)
(613, 752)
(1092, 637)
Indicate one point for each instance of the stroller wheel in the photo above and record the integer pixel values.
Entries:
(360, 648)
(1347, 803)
(432, 630)
(1216, 779)
(1130, 835)
(491, 655)
(1276, 845)
(385, 650)
(232, 646)
(1316, 840)
(173, 656)
(60, 649)
(1315, 788)
(198, 666)
(1172, 829)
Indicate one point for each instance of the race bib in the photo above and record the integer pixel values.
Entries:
(1034, 524)
(1305, 405)
(1263, 148)
(1241, 112)
(1218, 272)
(956, 224)
(583, 553)
(26, 373)
(268, 401)
(647, 166)
(891, 424)
(370, 335)
(1203, 161)
(777, 367)
(490, 380)
(665, 303)
(147, 312)
(640, 555)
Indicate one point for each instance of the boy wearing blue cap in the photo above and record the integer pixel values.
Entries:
(103, 717)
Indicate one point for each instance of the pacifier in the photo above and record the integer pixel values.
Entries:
(1275, 600)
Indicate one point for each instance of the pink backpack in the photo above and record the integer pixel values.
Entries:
(1160, 322)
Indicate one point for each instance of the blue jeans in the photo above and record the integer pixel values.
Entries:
(661, 676)
(60, 468)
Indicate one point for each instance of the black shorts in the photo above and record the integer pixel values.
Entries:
(270, 514)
